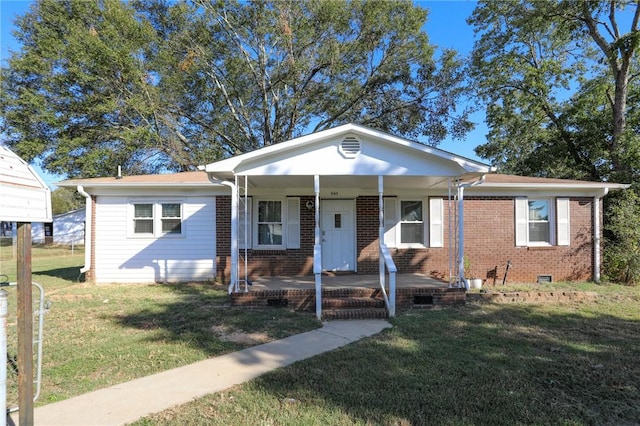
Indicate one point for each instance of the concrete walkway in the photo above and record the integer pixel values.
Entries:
(130, 401)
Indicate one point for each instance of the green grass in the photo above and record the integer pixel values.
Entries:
(481, 364)
(100, 335)
(569, 364)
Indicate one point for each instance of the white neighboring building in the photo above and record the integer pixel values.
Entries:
(66, 228)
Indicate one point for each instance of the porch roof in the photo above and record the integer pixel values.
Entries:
(348, 150)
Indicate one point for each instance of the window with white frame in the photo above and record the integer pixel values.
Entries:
(157, 218)
(405, 222)
(143, 219)
(542, 222)
(539, 224)
(171, 218)
(411, 222)
(269, 223)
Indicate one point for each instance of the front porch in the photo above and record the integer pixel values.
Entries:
(348, 296)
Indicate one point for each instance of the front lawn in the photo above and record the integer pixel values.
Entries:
(99, 335)
(481, 364)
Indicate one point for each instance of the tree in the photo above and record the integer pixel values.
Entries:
(557, 78)
(622, 249)
(64, 200)
(156, 85)
(78, 94)
(561, 83)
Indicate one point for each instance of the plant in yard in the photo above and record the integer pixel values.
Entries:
(622, 242)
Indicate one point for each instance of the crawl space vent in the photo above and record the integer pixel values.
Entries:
(544, 279)
(350, 146)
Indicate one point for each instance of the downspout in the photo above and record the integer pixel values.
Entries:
(233, 284)
(596, 234)
(88, 228)
(461, 187)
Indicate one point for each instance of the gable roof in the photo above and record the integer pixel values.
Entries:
(323, 153)
(24, 195)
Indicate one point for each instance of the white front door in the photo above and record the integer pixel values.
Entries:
(337, 224)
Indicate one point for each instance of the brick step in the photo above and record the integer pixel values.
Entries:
(351, 292)
(352, 302)
(354, 314)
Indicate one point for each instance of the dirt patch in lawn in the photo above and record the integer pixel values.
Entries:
(228, 334)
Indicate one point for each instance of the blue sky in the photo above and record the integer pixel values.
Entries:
(446, 28)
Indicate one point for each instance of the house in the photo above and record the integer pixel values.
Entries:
(349, 199)
(67, 229)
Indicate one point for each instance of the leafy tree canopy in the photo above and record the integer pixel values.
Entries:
(64, 200)
(159, 85)
(560, 82)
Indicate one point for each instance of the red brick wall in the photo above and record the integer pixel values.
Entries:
(265, 262)
(489, 243)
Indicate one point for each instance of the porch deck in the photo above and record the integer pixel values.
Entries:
(349, 296)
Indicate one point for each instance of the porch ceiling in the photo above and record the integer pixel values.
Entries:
(364, 182)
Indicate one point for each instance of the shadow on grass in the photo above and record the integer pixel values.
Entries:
(201, 314)
(71, 273)
(477, 365)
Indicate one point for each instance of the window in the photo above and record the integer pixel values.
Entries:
(539, 221)
(542, 222)
(269, 223)
(411, 223)
(156, 218)
(171, 218)
(143, 218)
(405, 222)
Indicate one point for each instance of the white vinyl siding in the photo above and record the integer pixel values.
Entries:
(161, 258)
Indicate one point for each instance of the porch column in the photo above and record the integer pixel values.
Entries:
(461, 278)
(233, 284)
(381, 263)
(461, 187)
(385, 261)
(317, 249)
(234, 237)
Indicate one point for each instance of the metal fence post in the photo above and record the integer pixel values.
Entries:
(4, 309)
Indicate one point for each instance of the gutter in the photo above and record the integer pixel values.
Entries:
(596, 234)
(88, 227)
(233, 285)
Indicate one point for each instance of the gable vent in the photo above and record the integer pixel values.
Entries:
(350, 146)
